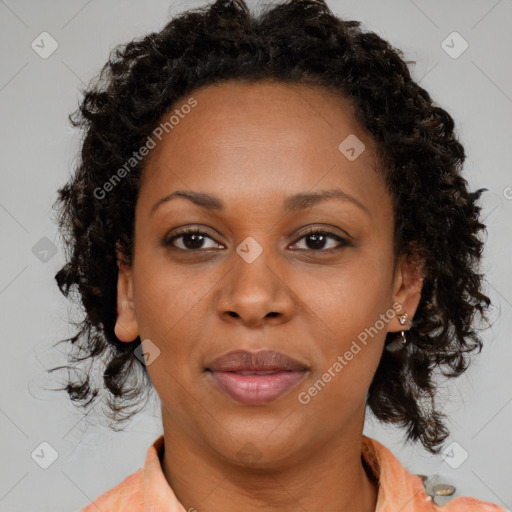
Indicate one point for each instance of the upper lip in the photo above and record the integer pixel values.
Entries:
(264, 360)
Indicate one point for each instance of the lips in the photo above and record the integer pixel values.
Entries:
(254, 378)
(265, 360)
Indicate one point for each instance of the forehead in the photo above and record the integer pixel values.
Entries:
(260, 140)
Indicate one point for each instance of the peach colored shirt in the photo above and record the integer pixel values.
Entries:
(147, 490)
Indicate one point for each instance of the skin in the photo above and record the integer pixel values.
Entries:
(252, 146)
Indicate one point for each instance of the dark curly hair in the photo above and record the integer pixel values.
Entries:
(420, 159)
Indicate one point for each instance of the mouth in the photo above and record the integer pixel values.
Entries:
(256, 378)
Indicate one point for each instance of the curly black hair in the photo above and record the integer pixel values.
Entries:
(295, 42)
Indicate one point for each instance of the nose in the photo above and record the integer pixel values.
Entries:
(254, 293)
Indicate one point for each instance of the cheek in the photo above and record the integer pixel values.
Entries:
(170, 308)
(165, 309)
(348, 311)
(165, 296)
(351, 297)
(156, 306)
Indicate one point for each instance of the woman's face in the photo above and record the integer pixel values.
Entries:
(255, 280)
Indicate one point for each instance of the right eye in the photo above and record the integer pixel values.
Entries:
(193, 238)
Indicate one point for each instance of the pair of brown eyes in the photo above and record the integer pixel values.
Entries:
(196, 236)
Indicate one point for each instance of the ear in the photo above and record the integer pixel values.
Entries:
(126, 328)
(407, 287)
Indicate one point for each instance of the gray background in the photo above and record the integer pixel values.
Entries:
(38, 152)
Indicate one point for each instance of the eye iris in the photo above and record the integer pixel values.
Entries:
(197, 240)
(319, 240)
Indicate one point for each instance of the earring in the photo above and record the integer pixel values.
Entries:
(399, 342)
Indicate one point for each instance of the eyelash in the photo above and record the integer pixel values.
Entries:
(168, 242)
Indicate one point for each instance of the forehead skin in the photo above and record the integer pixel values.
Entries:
(253, 144)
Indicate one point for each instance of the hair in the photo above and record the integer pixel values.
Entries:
(420, 160)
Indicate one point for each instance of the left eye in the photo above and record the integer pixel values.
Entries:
(319, 238)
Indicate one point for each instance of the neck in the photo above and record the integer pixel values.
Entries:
(330, 476)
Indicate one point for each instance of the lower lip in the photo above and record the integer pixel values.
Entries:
(256, 389)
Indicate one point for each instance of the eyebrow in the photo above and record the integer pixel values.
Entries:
(291, 204)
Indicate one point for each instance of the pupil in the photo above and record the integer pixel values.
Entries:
(318, 238)
(197, 238)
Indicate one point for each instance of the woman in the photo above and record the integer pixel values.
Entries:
(269, 226)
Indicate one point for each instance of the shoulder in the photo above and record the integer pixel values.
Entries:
(128, 493)
(467, 504)
(146, 489)
(402, 490)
